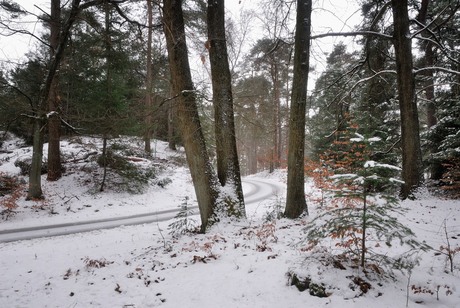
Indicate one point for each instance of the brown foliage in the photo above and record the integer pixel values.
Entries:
(450, 182)
(10, 191)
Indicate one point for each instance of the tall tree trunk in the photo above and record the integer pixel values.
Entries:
(436, 168)
(54, 119)
(204, 180)
(172, 137)
(35, 187)
(108, 93)
(35, 190)
(252, 152)
(410, 130)
(276, 117)
(171, 133)
(295, 200)
(228, 168)
(105, 163)
(148, 83)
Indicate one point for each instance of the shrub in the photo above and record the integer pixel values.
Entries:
(126, 175)
(11, 189)
(25, 164)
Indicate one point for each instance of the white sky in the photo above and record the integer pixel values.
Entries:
(14, 47)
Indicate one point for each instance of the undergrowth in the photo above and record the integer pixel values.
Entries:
(11, 190)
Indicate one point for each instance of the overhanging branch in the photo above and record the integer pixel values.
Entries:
(353, 33)
(436, 68)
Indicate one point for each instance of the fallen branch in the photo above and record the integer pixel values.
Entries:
(82, 158)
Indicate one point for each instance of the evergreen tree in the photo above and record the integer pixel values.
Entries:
(99, 79)
(440, 85)
(272, 59)
(331, 101)
(252, 104)
(444, 138)
(20, 92)
(364, 206)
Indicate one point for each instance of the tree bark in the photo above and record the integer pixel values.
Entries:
(228, 168)
(172, 138)
(54, 118)
(276, 159)
(35, 190)
(436, 168)
(108, 92)
(295, 200)
(204, 180)
(35, 187)
(410, 130)
(148, 83)
(105, 163)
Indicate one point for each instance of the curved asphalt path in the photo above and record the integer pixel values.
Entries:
(254, 192)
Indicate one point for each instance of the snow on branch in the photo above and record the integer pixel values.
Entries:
(436, 68)
(353, 33)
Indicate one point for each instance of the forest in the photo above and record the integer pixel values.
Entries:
(204, 153)
(387, 111)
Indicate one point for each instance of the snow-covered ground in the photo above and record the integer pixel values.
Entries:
(243, 264)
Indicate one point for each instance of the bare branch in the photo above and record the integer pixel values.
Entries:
(380, 14)
(122, 14)
(436, 68)
(363, 80)
(21, 31)
(29, 99)
(44, 12)
(353, 33)
(68, 125)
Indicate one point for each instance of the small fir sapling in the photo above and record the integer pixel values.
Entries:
(275, 210)
(183, 221)
(363, 209)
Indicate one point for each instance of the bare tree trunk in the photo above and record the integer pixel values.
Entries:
(204, 180)
(54, 119)
(172, 138)
(148, 83)
(228, 168)
(275, 155)
(105, 162)
(410, 130)
(35, 187)
(252, 153)
(276, 117)
(108, 94)
(35, 190)
(436, 168)
(295, 200)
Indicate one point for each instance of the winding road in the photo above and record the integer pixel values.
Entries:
(255, 191)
